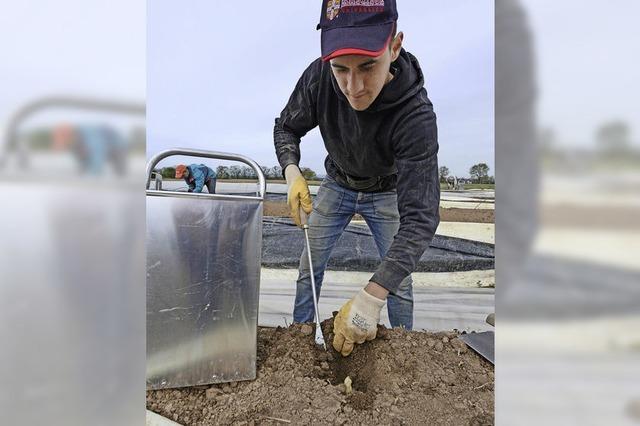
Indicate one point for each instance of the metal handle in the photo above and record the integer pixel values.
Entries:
(158, 180)
(262, 183)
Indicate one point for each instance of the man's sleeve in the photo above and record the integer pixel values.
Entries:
(198, 177)
(418, 187)
(297, 117)
(190, 184)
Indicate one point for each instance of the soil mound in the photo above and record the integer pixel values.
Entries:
(401, 377)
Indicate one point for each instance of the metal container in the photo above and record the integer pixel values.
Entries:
(203, 279)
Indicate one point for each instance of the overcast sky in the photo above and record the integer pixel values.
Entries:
(587, 64)
(219, 74)
(218, 77)
(71, 47)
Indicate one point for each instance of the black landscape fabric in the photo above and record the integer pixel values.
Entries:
(283, 242)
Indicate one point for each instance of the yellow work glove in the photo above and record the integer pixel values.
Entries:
(356, 322)
(298, 195)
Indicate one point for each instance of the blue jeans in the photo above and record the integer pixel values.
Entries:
(333, 208)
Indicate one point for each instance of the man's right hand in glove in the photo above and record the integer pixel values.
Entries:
(298, 195)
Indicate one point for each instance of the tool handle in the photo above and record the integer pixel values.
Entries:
(304, 217)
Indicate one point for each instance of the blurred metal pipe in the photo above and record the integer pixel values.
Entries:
(92, 104)
(157, 177)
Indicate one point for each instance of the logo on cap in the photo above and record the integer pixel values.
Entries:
(362, 6)
(333, 8)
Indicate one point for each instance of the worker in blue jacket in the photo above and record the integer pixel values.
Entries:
(197, 176)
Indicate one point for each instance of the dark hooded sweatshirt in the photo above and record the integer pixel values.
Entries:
(392, 145)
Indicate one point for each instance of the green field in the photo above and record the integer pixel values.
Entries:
(480, 186)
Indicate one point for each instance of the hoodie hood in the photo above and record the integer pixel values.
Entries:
(390, 148)
(407, 81)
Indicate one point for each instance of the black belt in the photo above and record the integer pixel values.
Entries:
(368, 184)
(363, 184)
(371, 184)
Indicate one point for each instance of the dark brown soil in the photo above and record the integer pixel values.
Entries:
(276, 208)
(279, 208)
(402, 377)
(590, 217)
(455, 214)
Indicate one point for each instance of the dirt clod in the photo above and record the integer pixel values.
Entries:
(211, 393)
(306, 329)
(393, 382)
(459, 345)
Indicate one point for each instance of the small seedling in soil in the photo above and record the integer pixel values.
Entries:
(347, 386)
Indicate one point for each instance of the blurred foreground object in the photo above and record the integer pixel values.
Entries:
(53, 148)
(567, 269)
(72, 288)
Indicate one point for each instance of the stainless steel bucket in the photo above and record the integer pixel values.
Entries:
(203, 278)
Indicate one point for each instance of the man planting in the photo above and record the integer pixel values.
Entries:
(367, 95)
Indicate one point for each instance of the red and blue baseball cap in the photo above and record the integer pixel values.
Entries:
(356, 27)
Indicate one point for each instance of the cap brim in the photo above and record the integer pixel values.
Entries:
(368, 41)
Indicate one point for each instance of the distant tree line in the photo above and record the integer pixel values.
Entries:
(479, 173)
(613, 146)
(168, 172)
(41, 139)
(244, 172)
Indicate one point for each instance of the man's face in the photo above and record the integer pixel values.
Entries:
(361, 78)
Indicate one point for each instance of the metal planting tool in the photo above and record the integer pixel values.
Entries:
(319, 337)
